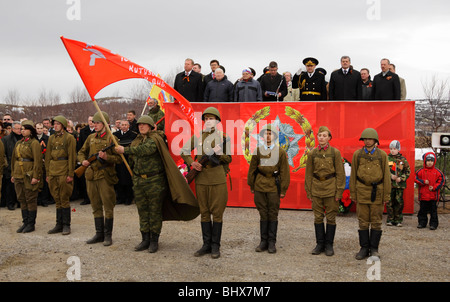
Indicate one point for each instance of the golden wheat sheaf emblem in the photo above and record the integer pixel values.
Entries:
(287, 139)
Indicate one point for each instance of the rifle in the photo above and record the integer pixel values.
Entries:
(81, 169)
(212, 158)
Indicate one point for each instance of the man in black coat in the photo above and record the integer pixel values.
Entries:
(124, 187)
(80, 182)
(273, 85)
(386, 84)
(189, 83)
(345, 83)
(311, 83)
(9, 142)
(219, 89)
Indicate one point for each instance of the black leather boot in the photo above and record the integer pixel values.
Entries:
(273, 226)
(99, 231)
(24, 221)
(108, 231)
(329, 239)
(145, 243)
(154, 237)
(59, 226)
(364, 243)
(206, 235)
(31, 222)
(320, 238)
(264, 231)
(66, 221)
(375, 236)
(215, 239)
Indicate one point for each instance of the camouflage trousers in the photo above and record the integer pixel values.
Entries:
(394, 208)
(149, 195)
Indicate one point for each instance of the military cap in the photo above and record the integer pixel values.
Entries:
(324, 128)
(310, 61)
(28, 122)
(321, 70)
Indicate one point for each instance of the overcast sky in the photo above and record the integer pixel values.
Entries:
(159, 35)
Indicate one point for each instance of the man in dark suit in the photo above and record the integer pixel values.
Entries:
(124, 188)
(311, 83)
(345, 82)
(189, 83)
(386, 84)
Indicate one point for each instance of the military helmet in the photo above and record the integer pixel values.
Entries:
(324, 128)
(213, 111)
(145, 119)
(268, 127)
(98, 118)
(369, 133)
(61, 119)
(28, 122)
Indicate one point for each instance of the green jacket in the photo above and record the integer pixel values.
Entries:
(61, 154)
(100, 169)
(324, 163)
(267, 162)
(144, 157)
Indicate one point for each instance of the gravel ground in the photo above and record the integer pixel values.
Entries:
(407, 254)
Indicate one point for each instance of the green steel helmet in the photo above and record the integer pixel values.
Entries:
(369, 133)
(213, 111)
(98, 118)
(61, 119)
(268, 127)
(145, 119)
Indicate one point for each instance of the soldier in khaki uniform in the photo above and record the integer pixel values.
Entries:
(211, 181)
(370, 188)
(324, 185)
(100, 179)
(26, 173)
(268, 178)
(60, 160)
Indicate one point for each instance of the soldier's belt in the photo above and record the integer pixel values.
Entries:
(145, 176)
(61, 158)
(368, 183)
(323, 178)
(374, 185)
(268, 175)
(311, 92)
(25, 159)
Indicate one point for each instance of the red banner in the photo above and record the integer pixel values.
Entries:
(99, 67)
(297, 123)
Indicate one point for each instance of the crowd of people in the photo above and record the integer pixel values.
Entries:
(130, 162)
(307, 84)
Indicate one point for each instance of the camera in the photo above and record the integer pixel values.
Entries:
(440, 140)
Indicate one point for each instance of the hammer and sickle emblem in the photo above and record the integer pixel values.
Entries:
(95, 55)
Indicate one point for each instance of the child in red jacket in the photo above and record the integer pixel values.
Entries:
(430, 181)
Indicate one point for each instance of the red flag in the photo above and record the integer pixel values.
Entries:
(99, 67)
